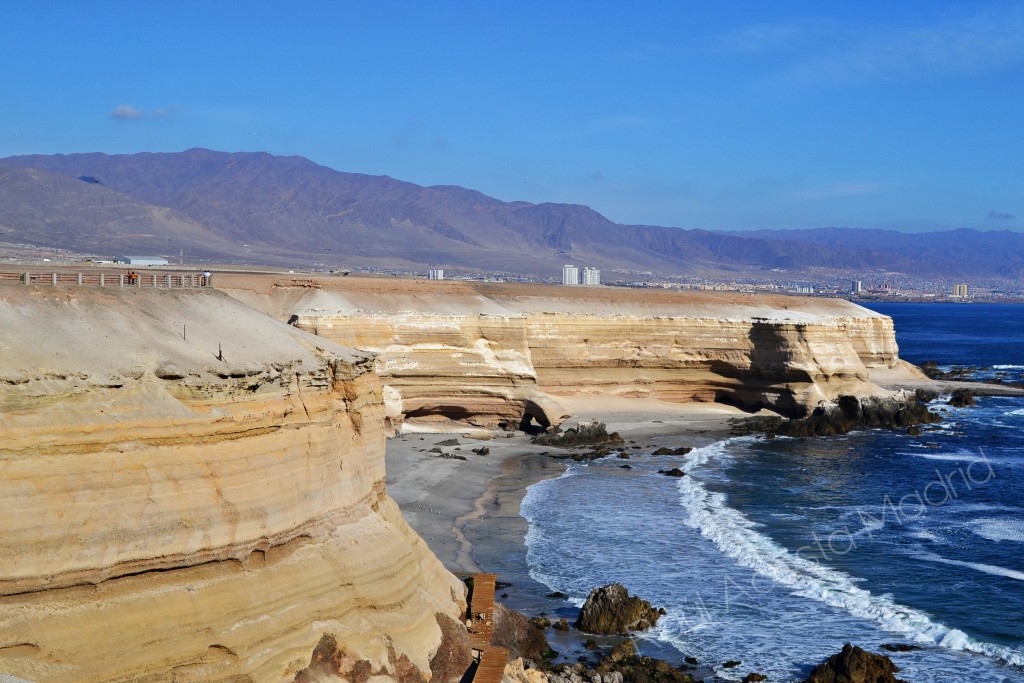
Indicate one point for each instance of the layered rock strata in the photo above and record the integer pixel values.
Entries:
(193, 492)
(487, 353)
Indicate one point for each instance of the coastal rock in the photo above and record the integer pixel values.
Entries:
(611, 610)
(674, 472)
(200, 526)
(624, 650)
(961, 398)
(594, 433)
(516, 671)
(854, 665)
(630, 669)
(845, 414)
(517, 634)
(665, 450)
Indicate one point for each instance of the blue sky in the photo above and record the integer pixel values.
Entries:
(734, 115)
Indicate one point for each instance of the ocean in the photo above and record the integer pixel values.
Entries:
(777, 552)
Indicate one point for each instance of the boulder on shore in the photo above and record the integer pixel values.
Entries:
(593, 434)
(611, 610)
(961, 398)
(854, 665)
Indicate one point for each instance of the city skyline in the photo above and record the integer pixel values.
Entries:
(720, 117)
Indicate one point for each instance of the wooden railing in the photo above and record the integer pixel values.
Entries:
(108, 279)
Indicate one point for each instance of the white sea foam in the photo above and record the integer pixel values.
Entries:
(976, 566)
(736, 536)
(998, 528)
(959, 456)
(1008, 367)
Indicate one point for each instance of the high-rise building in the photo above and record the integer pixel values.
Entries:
(960, 290)
(591, 276)
(857, 287)
(570, 274)
(435, 274)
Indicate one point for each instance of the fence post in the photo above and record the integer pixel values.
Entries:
(168, 281)
(27, 278)
(120, 280)
(154, 279)
(53, 279)
(79, 279)
(103, 278)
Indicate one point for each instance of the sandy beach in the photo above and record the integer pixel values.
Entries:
(468, 511)
(440, 496)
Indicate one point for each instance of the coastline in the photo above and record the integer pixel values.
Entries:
(440, 497)
(469, 511)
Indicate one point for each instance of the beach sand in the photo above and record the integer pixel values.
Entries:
(440, 496)
(468, 510)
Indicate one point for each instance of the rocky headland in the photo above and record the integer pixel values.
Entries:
(493, 355)
(193, 491)
(194, 482)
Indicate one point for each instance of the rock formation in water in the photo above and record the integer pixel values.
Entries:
(489, 354)
(854, 665)
(171, 515)
(611, 610)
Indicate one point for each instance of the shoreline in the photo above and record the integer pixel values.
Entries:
(441, 496)
(468, 511)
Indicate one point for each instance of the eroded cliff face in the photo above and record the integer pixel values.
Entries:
(454, 360)
(782, 364)
(490, 354)
(193, 491)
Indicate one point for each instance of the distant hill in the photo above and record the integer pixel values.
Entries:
(288, 210)
(994, 253)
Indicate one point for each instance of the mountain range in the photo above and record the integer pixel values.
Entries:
(257, 208)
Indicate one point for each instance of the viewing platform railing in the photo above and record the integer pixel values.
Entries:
(108, 279)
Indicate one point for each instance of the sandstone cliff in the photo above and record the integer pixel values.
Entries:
(491, 353)
(193, 491)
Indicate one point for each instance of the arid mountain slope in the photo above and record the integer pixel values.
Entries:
(291, 210)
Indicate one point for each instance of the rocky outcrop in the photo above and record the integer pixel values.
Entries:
(517, 634)
(593, 434)
(844, 415)
(961, 398)
(490, 354)
(854, 665)
(611, 610)
(168, 515)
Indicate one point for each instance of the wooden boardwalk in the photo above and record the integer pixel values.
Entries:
(490, 663)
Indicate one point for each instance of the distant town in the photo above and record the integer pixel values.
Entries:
(852, 285)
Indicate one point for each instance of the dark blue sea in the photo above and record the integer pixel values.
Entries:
(777, 552)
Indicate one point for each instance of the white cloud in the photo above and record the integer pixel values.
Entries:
(125, 112)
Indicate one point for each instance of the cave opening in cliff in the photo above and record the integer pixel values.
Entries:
(534, 421)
